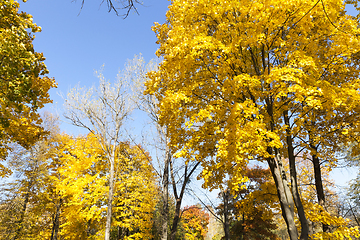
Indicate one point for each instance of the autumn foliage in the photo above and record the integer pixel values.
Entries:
(194, 222)
(253, 210)
(260, 98)
(83, 174)
(258, 80)
(24, 84)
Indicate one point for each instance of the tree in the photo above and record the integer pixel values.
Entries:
(60, 190)
(328, 213)
(251, 211)
(187, 171)
(175, 171)
(136, 70)
(30, 193)
(353, 160)
(258, 80)
(84, 186)
(102, 112)
(350, 209)
(194, 221)
(24, 86)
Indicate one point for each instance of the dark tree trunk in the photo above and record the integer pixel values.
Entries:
(118, 233)
(318, 184)
(56, 222)
(20, 222)
(179, 197)
(176, 218)
(241, 237)
(165, 197)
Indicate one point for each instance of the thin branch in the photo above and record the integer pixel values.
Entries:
(128, 5)
(327, 16)
(212, 212)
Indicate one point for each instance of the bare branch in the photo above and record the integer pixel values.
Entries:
(126, 5)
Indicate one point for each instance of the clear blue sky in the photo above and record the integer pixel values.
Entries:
(76, 43)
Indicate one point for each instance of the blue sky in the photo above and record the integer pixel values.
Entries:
(76, 43)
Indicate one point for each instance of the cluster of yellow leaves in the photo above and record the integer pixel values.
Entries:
(318, 214)
(24, 86)
(83, 174)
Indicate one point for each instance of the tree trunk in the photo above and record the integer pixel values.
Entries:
(176, 218)
(279, 176)
(226, 214)
(118, 233)
(179, 197)
(110, 199)
(242, 227)
(286, 202)
(318, 183)
(165, 197)
(124, 232)
(293, 177)
(56, 222)
(19, 223)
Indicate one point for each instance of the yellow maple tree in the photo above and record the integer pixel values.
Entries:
(23, 82)
(243, 80)
(84, 187)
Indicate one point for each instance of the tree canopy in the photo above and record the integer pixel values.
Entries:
(258, 98)
(258, 80)
(23, 81)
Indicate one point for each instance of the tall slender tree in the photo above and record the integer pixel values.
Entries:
(102, 111)
(174, 172)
